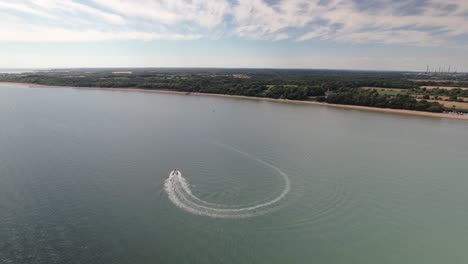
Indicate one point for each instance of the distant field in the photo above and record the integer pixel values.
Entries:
(442, 97)
(241, 76)
(387, 91)
(444, 87)
(450, 104)
(442, 101)
(436, 81)
(282, 85)
(383, 88)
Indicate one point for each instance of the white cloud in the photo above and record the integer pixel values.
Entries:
(30, 33)
(318, 32)
(343, 20)
(71, 21)
(206, 13)
(22, 8)
(77, 9)
(257, 19)
(390, 37)
(382, 21)
(280, 36)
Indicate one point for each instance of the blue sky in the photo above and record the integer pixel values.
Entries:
(331, 34)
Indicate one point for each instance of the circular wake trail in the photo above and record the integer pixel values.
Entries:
(179, 193)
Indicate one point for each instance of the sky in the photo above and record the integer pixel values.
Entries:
(316, 34)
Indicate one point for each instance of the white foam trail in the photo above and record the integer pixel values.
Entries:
(179, 193)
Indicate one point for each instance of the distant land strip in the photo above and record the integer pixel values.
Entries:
(342, 106)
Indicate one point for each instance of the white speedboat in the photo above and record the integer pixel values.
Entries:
(175, 172)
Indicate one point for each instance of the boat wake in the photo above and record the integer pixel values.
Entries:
(179, 193)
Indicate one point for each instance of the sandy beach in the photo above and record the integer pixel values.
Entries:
(354, 107)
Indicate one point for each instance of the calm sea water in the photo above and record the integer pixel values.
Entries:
(83, 173)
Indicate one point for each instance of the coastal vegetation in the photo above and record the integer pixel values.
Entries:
(373, 98)
(396, 90)
(453, 93)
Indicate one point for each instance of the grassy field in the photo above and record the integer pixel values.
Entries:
(451, 104)
(442, 99)
(387, 91)
(444, 87)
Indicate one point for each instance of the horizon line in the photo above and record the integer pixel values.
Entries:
(226, 68)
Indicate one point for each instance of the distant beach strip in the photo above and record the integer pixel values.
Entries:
(354, 107)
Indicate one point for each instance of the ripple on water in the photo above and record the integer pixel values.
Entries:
(331, 201)
(181, 195)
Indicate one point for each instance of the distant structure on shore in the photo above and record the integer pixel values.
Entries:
(442, 70)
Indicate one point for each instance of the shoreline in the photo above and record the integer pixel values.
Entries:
(354, 107)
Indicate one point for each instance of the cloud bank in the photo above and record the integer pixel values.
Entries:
(392, 22)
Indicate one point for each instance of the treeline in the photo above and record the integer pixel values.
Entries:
(221, 80)
(372, 98)
(282, 84)
(192, 83)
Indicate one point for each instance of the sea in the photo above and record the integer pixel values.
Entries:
(84, 178)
